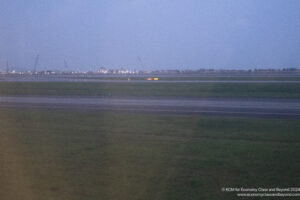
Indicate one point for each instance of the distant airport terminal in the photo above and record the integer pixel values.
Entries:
(123, 71)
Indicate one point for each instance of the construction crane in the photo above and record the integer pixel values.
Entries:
(66, 64)
(36, 63)
(141, 62)
(7, 67)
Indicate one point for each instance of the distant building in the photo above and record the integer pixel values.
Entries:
(103, 70)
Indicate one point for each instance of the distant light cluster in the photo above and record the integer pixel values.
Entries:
(122, 71)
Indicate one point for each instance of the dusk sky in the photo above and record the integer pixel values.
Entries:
(165, 34)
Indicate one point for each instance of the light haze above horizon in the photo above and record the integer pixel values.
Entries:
(164, 34)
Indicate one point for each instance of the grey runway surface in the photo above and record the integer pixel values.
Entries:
(49, 79)
(283, 108)
(141, 79)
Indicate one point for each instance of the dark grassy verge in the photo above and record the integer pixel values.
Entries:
(281, 90)
(81, 155)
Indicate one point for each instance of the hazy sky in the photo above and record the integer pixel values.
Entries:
(184, 34)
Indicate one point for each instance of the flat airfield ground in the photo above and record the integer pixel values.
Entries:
(150, 89)
(85, 154)
(111, 155)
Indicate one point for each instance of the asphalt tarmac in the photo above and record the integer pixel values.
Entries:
(142, 79)
(96, 80)
(247, 107)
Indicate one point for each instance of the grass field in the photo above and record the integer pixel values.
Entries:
(81, 155)
(281, 90)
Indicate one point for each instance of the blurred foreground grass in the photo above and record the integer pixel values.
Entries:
(82, 155)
